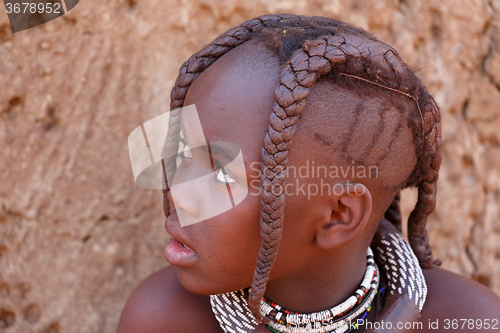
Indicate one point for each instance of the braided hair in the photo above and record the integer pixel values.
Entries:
(311, 48)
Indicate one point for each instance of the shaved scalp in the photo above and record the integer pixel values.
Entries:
(313, 50)
(360, 128)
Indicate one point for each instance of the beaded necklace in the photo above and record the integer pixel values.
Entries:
(334, 320)
(358, 321)
(401, 268)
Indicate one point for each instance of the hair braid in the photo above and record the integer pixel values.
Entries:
(427, 186)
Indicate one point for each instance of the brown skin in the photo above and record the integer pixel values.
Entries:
(160, 304)
(322, 254)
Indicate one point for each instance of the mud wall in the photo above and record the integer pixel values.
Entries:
(77, 235)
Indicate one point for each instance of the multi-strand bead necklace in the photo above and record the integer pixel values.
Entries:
(233, 314)
(337, 319)
(355, 325)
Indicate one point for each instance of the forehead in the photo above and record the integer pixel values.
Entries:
(235, 95)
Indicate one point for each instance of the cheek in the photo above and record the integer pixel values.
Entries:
(297, 242)
(228, 250)
(239, 233)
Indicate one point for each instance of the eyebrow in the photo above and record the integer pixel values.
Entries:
(219, 150)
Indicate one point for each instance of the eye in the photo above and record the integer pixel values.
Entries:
(186, 153)
(185, 150)
(223, 176)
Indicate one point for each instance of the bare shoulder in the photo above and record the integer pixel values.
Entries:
(452, 296)
(160, 304)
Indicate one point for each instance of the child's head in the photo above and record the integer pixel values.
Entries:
(361, 109)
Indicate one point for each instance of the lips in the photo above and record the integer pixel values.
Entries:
(178, 252)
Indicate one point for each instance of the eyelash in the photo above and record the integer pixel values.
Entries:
(184, 150)
(224, 178)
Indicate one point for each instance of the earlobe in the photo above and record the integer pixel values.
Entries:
(350, 212)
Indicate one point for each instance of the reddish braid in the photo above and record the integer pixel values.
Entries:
(322, 46)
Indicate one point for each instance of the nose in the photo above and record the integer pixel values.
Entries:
(168, 203)
(187, 198)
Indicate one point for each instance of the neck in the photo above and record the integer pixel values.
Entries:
(322, 283)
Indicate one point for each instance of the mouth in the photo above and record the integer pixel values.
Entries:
(178, 252)
(185, 246)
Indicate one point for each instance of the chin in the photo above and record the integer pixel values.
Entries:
(196, 283)
(208, 285)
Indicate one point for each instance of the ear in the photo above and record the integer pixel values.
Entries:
(351, 205)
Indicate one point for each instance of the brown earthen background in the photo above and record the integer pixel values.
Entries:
(77, 235)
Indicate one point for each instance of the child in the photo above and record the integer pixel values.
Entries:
(348, 103)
